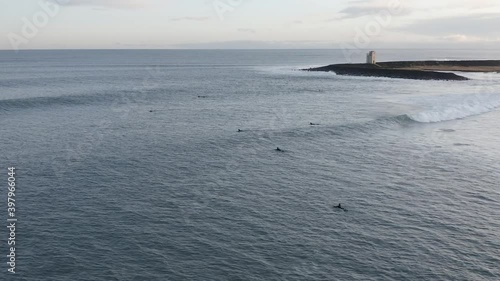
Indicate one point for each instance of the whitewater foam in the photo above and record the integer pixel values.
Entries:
(461, 106)
(290, 70)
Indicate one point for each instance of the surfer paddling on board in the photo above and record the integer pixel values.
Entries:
(339, 206)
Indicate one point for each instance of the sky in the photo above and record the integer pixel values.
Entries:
(248, 24)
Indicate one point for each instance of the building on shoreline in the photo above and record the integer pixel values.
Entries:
(371, 57)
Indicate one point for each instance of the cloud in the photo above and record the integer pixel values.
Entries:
(479, 25)
(361, 11)
(104, 3)
(190, 19)
(456, 38)
(247, 30)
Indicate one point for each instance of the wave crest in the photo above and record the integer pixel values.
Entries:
(457, 109)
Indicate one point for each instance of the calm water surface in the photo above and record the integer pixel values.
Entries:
(130, 167)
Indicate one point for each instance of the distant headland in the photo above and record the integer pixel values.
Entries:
(419, 70)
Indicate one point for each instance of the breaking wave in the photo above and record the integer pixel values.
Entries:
(457, 108)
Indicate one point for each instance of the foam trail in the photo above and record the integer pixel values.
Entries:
(460, 107)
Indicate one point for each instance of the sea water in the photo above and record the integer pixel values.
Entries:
(130, 166)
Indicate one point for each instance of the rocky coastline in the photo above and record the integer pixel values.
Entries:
(418, 70)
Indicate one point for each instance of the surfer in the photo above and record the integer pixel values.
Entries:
(313, 124)
(340, 207)
(239, 131)
(279, 149)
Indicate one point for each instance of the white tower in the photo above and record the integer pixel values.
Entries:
(371, 57)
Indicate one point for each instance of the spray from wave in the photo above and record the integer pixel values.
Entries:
(456, 107)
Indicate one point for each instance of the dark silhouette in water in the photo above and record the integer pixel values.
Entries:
(151, 110)
(313, 124)
(279, 149)
(239, 131)
(340, 207)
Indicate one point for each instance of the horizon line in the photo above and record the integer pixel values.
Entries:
(235, 49)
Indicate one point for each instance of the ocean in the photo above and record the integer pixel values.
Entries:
(130, 166)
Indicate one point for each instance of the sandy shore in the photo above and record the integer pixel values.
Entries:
(461, 66)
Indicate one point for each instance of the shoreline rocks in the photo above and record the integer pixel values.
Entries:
(418, 70)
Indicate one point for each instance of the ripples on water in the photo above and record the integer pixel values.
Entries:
(131, 168)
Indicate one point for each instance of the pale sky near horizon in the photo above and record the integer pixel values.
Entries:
(163, 24)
